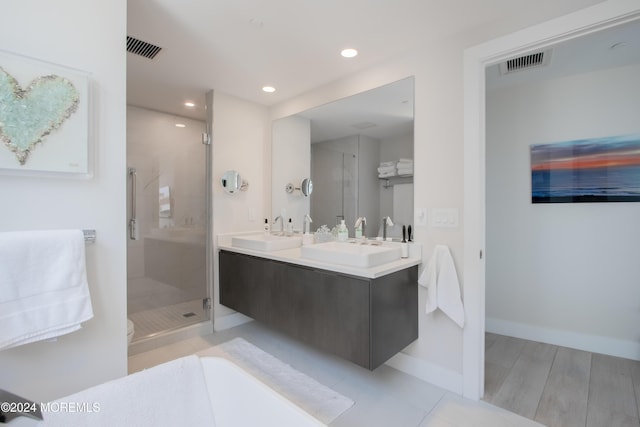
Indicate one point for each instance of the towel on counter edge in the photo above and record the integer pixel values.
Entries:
(171, 394)
(43, 285)
(443, 288)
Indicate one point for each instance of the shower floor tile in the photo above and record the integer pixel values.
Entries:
(148, 323)
(144, 293)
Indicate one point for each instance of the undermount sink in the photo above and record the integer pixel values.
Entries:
(266, 242)
(352, 254)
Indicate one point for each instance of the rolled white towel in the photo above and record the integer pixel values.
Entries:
(386, 174)
(387, 169)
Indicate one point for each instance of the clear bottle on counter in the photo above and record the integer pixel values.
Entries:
(343, 232)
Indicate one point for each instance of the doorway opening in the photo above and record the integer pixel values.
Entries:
(581, 23)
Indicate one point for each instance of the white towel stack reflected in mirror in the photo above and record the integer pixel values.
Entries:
(405, 167)
(386, 169)
(43, 285)
(443, 289)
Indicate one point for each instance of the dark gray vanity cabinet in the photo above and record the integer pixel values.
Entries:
(363, 320)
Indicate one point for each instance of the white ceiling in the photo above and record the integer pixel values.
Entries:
(238, 46)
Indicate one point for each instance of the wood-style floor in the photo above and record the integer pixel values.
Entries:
(558, 386)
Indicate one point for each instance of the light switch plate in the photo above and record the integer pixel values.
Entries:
(420, 216)
(444, 217)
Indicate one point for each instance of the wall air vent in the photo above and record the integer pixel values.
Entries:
(525, 62)
(141, 48)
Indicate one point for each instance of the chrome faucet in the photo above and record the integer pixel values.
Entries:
(386, 221)
(361, 221)
(306, 224)
(281, 224)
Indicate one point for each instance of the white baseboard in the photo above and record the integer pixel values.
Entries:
(579, 341)
(434, 374)
(229, 321)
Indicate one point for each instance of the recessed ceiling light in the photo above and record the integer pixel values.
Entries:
(349, 53)
(189, 104)
(181, 125)
(269, 89)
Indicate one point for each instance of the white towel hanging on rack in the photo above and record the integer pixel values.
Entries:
(43, 285)
(443, 289)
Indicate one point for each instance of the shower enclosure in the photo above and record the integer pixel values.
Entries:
(335, 183)
(167, 283)
(345, 182)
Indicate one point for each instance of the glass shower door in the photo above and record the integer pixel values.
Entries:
(166, 256)
(335, 186)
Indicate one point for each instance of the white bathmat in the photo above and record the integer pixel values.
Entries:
(318, 400)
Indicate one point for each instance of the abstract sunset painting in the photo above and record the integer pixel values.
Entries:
(588, 170)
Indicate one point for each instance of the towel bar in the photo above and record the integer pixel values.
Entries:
(89, 236)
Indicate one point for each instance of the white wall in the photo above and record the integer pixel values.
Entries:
(292, 139)
(241, 131)
(88, 36)
(561, 273)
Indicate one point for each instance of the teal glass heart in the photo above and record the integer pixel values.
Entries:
(28, 115)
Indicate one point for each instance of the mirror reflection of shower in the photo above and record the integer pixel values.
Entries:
(349, 140)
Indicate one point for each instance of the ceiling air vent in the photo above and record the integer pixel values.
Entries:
(141, 48)
(526, 62)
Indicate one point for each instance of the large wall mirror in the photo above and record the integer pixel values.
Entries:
(347, 148)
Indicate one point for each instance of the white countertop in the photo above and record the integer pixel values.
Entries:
(293, 256)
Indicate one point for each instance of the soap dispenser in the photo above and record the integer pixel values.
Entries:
(343, 232)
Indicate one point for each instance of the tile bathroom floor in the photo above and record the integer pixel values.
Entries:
(385, 397)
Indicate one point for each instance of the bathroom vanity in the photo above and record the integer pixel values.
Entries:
(365, 315)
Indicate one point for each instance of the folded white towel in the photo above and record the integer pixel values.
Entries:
(383, 164)
(43, 285)
(405, 161)
(172, 394)
(443, 289)
(405, 171)
(386, 168)
(386, 174)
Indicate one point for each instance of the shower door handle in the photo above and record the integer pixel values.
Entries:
(133, 225)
